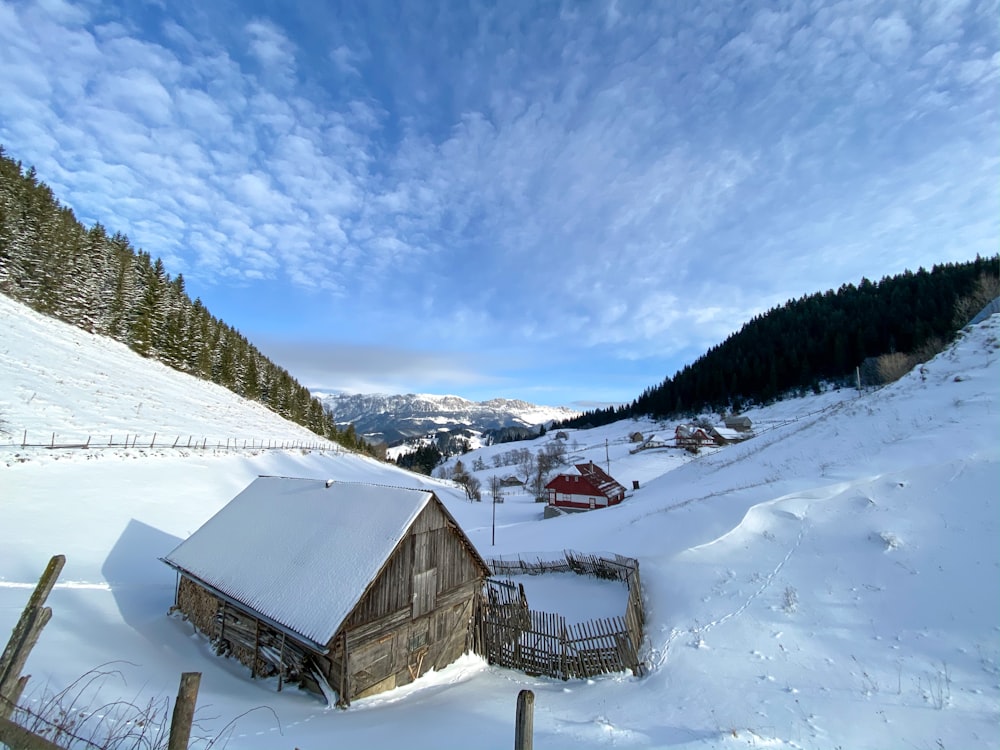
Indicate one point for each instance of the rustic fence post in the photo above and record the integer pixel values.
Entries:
(14, 735)
(524, 724)
(24, 636)
(183, 716)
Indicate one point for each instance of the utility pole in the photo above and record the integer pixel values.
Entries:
(496, 492)
(607, 455)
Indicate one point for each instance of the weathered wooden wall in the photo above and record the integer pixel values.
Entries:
(432, 544)
(415, 615)
(236, 632)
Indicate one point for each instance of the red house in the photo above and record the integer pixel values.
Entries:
(591, 488)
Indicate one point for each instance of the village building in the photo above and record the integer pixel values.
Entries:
(591, 488)
(738, 422)
(692, 436)
(346, 588)
(726, 436)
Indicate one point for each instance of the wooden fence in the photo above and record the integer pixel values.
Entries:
(181, 442)
(510, 634)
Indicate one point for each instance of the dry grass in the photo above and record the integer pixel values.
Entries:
(891, 367)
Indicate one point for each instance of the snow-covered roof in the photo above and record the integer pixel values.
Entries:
(300, 552)
(729, 433)
(593, 480)
(608, 486)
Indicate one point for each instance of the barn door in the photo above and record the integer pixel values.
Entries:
(424, 592)
(424, 576)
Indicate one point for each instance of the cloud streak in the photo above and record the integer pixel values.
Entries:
(631, 181)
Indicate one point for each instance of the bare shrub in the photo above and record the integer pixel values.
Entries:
(986, 289)
(929, 349)
(891, 367)
(76, 717)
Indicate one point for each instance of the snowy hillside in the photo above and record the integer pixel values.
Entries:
(832, 582)
(57, 378)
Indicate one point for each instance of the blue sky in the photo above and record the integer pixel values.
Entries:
(561, 202)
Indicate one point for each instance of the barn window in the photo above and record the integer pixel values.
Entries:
(417, 640)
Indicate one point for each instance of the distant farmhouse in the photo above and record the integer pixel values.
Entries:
(738, 422)
(692, 436)
(591, 488)
(346, 588)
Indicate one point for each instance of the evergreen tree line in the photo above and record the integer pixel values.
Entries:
(818, 338)
(99, 282)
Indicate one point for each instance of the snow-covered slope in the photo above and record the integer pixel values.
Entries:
(835, 581)
(392, 418)
(59, 379)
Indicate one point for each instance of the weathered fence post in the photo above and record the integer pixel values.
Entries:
(183, 716)
(14, 735)
(524, 724)
(24, 636)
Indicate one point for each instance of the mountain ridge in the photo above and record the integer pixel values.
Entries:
(391, 418)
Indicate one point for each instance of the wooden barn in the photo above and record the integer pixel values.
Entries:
(739, 423)
(591, 488)
(345, 588)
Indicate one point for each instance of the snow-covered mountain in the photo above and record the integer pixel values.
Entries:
(832, 582)
(390, 419)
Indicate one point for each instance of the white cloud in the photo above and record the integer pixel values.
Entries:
(272, 48)
(890, 37)
(523, 177)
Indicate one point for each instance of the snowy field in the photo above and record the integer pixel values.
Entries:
(833, 582)
(575, 597)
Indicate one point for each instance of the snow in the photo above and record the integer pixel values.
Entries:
(341, 535)
(833, 581)
(575, 597)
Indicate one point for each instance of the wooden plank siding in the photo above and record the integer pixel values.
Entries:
(415, 615)
(432, 536)
(236, 632)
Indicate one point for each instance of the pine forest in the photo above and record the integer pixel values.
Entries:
(101, 283)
